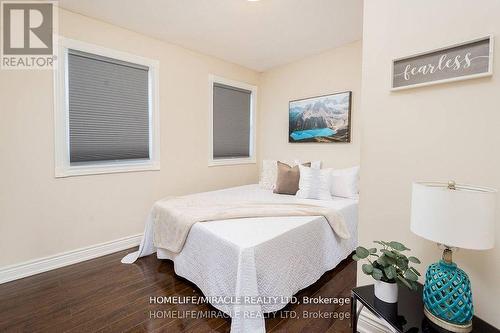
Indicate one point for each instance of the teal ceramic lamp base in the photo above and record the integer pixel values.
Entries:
(447, 296)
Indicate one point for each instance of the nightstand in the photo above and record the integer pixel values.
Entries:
(406, 316)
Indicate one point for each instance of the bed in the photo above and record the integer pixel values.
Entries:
(250, 266)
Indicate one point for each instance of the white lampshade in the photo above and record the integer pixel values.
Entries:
(462, 217)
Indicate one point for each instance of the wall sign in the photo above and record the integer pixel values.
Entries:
(468, 60)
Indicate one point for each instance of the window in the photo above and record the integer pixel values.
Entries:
(107, 111)
(232, 117)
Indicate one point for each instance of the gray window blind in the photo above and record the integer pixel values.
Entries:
(108, 109)
(231, 122)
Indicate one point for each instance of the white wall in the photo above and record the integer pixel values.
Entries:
(333, 71)
(41, 215)
(442, 132)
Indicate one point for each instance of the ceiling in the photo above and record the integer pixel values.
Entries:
(255, 34)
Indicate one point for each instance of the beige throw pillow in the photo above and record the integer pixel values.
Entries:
(288, 178)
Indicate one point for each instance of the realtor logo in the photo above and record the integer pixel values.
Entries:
(27, 38)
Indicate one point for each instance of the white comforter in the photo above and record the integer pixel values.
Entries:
(268, 259)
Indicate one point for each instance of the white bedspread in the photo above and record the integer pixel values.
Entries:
(268, 258)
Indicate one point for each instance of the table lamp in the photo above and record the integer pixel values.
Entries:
(455, 216)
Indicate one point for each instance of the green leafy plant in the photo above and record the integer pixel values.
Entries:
(390, 265)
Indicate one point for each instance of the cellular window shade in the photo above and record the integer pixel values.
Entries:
(231, 122)
(108, 109)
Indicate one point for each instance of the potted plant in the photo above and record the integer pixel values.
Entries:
(389, 268)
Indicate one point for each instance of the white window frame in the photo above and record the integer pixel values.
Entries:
(63, 167)
(253, 103)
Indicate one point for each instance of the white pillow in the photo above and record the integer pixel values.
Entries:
(345, 182)
(314, 183)
(269, 171)
(268, 174)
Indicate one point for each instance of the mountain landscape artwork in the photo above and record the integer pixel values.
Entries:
(320, 119)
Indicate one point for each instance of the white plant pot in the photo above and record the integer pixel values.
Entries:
(387, 292)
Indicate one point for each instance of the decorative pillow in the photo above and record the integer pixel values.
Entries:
(314, 183)
(287, 181)
(268, 174)
(345, 182)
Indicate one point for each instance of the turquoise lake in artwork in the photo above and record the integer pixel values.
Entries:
(312, 133)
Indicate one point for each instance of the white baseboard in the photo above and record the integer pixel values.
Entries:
(369, 323)
(32, 267)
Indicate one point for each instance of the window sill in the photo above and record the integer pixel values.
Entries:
(231, 161)
(98, 169)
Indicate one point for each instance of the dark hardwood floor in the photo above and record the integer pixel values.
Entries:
(103, 295)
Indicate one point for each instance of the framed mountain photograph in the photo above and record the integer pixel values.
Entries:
(320, 119)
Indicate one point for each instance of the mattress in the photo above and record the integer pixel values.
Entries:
(251, 266)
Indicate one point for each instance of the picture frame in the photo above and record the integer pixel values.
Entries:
(480, 50)
(320, 119)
